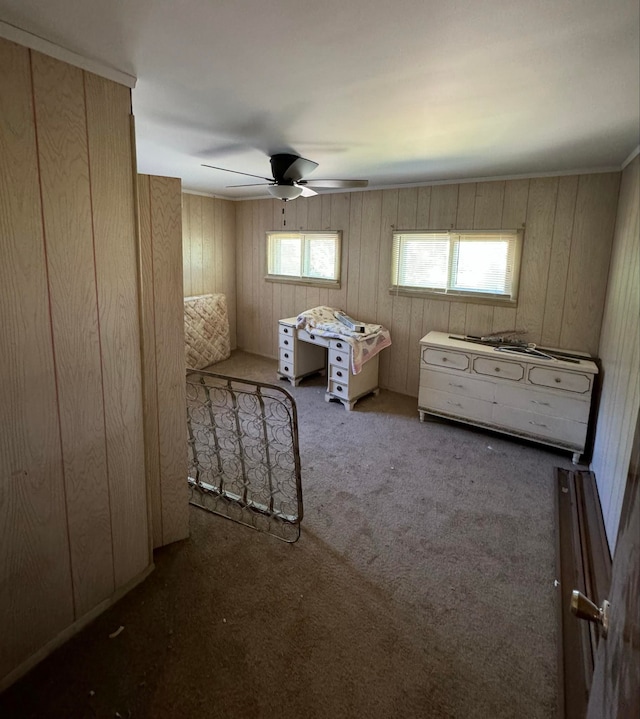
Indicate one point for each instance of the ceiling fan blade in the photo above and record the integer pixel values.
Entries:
(248, 174)
(252, 184)
(307, 191)
(334, 184)
(299, 168)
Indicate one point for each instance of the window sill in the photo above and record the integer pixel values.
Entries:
(307, 282)
(452, 297)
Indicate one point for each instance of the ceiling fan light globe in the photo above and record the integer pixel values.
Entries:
(285, 192)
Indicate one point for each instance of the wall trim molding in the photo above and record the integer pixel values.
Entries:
(72, 630)
(35, 42)
(632, 156)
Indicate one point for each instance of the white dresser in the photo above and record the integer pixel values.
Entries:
(302, 353)
(546, 400)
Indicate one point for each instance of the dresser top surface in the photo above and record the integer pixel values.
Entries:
(443, 340)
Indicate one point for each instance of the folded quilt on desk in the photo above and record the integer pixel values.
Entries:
(323, 322)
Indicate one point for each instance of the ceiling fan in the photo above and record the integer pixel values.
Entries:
(288, 180)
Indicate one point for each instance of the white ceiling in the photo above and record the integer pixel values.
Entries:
(402, 91)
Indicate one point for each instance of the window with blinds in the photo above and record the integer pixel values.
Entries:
(309, 257)
(482, 263)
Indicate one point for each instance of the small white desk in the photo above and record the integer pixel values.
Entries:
(302, 353)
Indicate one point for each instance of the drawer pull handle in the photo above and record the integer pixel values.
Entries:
(286, 355)
(312, 337)
(286, 330)
(538, 424)
(455, 404)
(338, 358)
(339, 374)
(286, 369)
(542, 404)
(339, 388)
(459, 386)
(558, 380)
(286, 342)
(339, 345)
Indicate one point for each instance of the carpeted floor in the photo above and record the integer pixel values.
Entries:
(422, 587)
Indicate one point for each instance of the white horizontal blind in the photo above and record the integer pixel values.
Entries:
(421, 260)
(285, 254)
(481, 263)
(320, 256)
(304, 255)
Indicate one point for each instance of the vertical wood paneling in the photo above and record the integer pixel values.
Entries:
(196, 254)
(558, 269)
(110, 153)
(66, 197)
(209, 251)
(620, 356)
(150, 381)
(536, 256)
(466, 206)
(589, 262)
(166, 231)
(368, 219)
(370, 238)
(186, 245)
(488, 205)
(34, 560)
(353, 251)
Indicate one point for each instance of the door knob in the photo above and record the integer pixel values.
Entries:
(584, 608)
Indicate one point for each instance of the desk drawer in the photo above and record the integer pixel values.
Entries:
(286, 341)
(339, 358)
(312, 338)
(445, 358)
(286, 367)
(339, 389)
(491, 367)
(286, 355)
(286, 329)
(339, 345)
(339, 374)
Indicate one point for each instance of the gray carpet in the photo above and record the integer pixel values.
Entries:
(422, 586)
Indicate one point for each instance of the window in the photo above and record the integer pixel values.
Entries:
(307, 257)
(479, 263)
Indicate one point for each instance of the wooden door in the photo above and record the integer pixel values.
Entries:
(615, 691)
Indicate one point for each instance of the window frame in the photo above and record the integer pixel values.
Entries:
(303, 279)
(449, 293)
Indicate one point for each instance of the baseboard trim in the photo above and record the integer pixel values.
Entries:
(583, 563)
(71, 630)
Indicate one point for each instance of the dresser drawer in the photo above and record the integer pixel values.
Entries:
(286, 354)
(462, 384)
(560, 379)
(561, 431)
(339, 358)
(540, 402)
(454, 405)
(445, 358)
(502, 369)
(313, 338)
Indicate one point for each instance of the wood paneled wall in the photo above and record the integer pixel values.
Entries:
(73, 507)
(159, 202)
(620, 355)
(568, 224)
(209, 250)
